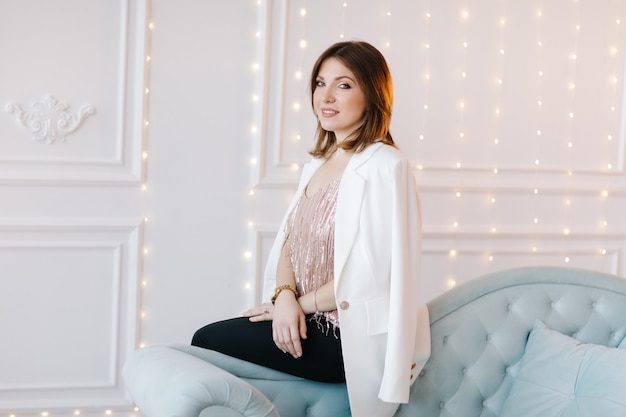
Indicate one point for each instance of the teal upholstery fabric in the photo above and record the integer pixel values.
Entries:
(479, 332)
(561, 376)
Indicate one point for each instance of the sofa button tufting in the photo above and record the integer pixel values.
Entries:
(422, 373)
(442, 404)
(488, 337)
(445, 339)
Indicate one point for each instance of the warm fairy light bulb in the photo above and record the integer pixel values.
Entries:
(490, 258)
(458, 165)
(251, 192)
(108, 412)
(452, 253)
(298, 75)
(535, 220)
(302, 12)
(255, 66)
(427, 45)
(603, 251)
(536, 191)
(567, 231)
(144, 155)
(295, 167)
(455, 224)
(296, 106)
(458, 194)
(388, 13)
(496, 141)
(494, 230)
(495, 170)
(451, 282)
(604, 193)
(570, 144)
(247, 254)
(567, 259)
(464, 14)
(255, 97)
(302, 44)
(253, 161)
(151, 26)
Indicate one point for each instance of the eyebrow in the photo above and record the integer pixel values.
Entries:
(339, 78)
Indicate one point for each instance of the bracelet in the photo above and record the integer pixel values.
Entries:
(315, 300)
(280, 289)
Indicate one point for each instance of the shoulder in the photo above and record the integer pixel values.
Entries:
(384, 157)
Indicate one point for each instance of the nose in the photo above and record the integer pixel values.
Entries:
(327, 96)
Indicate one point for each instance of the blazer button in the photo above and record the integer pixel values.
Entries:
(344, 305)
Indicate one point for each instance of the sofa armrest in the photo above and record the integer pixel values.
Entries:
(202, 388)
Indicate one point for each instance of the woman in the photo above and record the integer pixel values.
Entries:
(343, 273)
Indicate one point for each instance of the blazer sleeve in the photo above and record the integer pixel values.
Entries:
(404, 287)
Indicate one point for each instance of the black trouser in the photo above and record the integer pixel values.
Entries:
(321, 358)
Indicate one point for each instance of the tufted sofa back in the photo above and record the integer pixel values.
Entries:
(479, 331)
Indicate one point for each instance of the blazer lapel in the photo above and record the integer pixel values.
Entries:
(347, 215)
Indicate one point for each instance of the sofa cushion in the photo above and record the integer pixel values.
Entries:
(561, 376)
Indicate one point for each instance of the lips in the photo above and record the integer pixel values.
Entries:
(328, 112)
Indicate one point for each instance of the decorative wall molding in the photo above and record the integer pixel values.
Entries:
(50, 120)
(113, 155)
(117, 240)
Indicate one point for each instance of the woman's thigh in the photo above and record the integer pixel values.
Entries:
(321, 358)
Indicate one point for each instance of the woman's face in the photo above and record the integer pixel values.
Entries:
(338, 100)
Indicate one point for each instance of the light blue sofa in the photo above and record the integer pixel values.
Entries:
(478, 366)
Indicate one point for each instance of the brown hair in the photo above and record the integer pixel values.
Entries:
(374, 78)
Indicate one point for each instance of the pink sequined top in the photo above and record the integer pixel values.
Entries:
(310, 231)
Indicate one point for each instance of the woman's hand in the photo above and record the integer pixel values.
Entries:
(263, 312)
(289, 325)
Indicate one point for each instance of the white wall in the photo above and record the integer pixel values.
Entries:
(84, 278)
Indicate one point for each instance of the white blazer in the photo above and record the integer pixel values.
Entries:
(385, 333)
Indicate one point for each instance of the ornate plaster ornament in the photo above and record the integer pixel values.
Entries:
(50, 120)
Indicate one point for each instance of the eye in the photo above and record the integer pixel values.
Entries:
(344, 86)
(319, 83)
